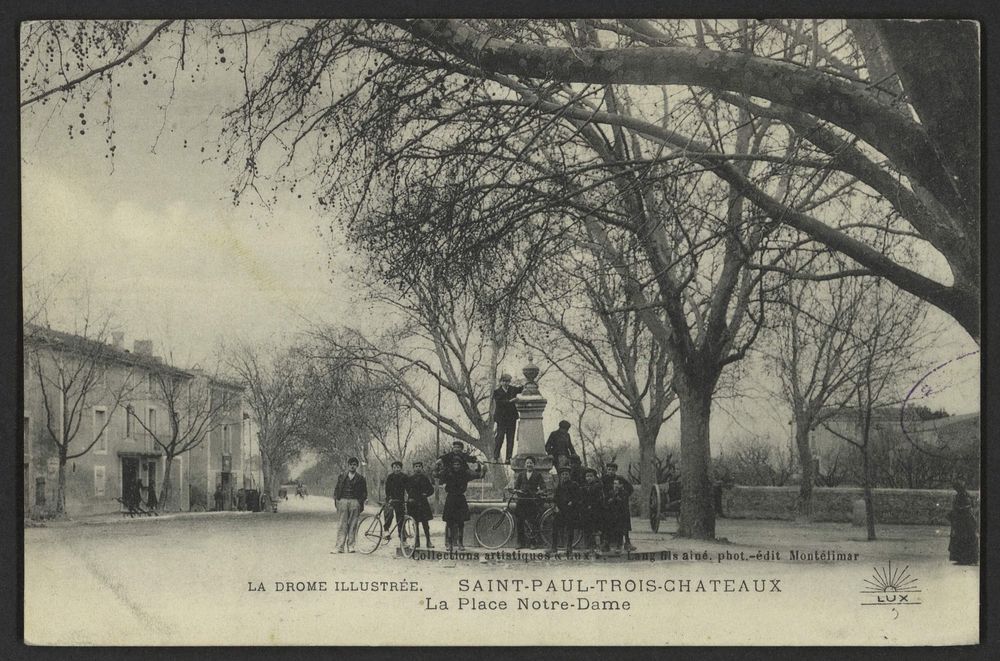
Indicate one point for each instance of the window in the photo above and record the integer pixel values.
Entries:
(225, 439)
(129, 424)
(100, 420)
(151, 420)
(99, 481)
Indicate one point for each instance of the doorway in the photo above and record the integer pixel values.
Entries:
(130, 480)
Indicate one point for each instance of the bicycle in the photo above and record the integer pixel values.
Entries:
(371, 531)
(496, 525)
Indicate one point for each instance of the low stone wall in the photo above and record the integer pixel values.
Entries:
(907, 506)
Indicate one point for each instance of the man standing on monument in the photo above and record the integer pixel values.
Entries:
(505, 415)
(560, 446)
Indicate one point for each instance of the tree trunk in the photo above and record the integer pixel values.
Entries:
(165, 503)
(806, 466)
(265, 469)
(869, 500)
(697, 503)
(61, 484)
(647, 468)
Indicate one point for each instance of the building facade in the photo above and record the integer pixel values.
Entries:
(106, 406)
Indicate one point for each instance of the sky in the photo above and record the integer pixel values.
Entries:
(154, 235)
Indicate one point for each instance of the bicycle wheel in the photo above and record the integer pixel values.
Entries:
(408, 536)
(494, 528)
(545, 525)
(369, 533)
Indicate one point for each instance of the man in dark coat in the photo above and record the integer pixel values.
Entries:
(349, 498)
(608, 480)
(567, 499)
(528, 487)
(591, 507)
(456, 507)
(505, 415)
(458, 452)
(419, 489)
(963, 547)
(559, 446)
(395, 495)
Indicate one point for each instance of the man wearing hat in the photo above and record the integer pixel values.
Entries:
(349, 498)
(419, 488)
(505, 415)
(567, 500)
(592, 515)
(608, 482)
(395, 495)
(528, 487)
(559, 446)
(445, 461)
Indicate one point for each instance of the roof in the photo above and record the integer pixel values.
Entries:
(34, 334)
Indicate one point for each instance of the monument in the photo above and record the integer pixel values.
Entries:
(530, 427)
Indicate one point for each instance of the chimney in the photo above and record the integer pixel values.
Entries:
(144, 347)
(118, 340)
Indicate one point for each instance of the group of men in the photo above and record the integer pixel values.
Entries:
(597, 506)
(405, 494)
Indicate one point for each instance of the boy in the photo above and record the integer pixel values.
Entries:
(608, 480)
(591, 507)
(419, 488)
(395, 495)
(618, 515)
(566, 497)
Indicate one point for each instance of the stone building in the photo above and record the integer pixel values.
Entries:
(104, 397)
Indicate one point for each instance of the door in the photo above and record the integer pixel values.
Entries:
(130, 479)
(227, 491)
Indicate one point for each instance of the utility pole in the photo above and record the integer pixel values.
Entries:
(437, 444)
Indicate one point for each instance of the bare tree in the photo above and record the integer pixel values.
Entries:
(445, 341)
(890, 336)
(586, 328)
(872, 108)
(274, 390)
(814, 352)
(194, 403)
(74, 373)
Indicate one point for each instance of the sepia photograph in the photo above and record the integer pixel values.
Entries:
(501, 331)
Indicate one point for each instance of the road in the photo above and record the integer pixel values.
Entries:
(222, 579)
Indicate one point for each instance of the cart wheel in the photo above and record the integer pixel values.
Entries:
(654, 508)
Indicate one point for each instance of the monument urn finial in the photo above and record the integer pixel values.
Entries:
(530, 372)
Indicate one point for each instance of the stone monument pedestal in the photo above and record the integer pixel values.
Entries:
(530, 425)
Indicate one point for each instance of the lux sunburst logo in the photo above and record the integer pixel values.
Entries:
(891, 587)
